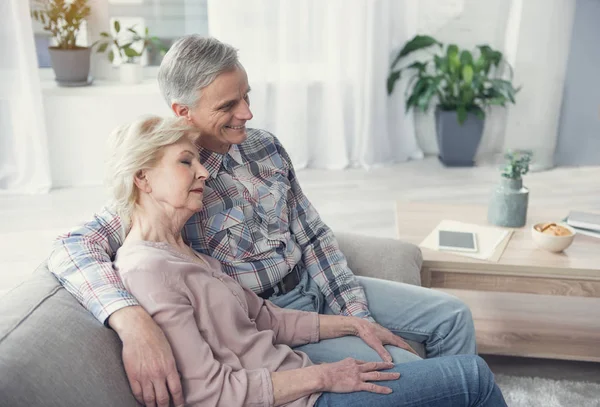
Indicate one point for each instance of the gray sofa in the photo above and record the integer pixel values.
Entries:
(54, 353)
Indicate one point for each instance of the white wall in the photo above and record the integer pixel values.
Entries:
(540, 55)
(534, 36)
(79, 120)
(579, 130)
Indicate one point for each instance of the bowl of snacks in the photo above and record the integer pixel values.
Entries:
(554, 237)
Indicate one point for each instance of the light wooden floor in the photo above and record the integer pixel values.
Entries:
(357, 201)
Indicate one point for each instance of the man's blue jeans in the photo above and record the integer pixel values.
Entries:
(439, 321)
(456, 381)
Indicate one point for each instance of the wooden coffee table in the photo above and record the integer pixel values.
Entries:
(531, 302)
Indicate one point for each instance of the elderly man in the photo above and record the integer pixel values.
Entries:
(258, 223)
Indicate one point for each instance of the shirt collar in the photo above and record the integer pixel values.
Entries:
(235, 154)
(212, 161)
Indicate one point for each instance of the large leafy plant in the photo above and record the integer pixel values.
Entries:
(126, 45)
(459, 80)
(62, 19)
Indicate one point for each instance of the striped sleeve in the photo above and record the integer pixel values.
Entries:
(81, 260)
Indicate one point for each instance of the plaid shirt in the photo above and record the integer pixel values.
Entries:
(256, 221)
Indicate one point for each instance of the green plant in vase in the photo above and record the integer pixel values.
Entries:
(462, 85)
(130, 46)
(64, 20)
(517, 164)
(508, 205)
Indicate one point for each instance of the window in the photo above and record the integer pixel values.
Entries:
(165, 19)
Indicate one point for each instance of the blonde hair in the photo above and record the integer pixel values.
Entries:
(134, 147)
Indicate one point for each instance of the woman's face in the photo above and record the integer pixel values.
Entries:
(177, 180)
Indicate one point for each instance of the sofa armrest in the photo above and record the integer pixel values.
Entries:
(387, 259)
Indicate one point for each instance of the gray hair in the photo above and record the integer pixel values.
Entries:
(191, 64)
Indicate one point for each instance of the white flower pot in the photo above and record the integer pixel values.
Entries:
(131, 74)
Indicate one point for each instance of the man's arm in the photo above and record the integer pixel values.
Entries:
(320, 252)
(81, 261)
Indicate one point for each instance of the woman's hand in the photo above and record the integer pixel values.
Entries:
(351, 375)
(373, 334)
(377, 336)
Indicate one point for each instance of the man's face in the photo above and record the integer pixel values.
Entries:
(222, 111)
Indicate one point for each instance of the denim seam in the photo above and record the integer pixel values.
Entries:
(434, 335)
(472, 394)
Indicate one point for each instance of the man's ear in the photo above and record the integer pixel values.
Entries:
(141, 181)
(180, 110)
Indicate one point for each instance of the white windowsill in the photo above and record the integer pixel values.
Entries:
(100, 87)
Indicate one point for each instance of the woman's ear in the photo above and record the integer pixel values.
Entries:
(141, 181)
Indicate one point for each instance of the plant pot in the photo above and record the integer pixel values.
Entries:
(131, 74)
(457, 143)
(71, 66)
(508, 205)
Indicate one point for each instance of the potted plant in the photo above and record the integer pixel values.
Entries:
(508, 206)
(463, 84)
(63, 19)
(130, 48)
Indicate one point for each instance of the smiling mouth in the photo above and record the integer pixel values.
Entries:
(236, 127)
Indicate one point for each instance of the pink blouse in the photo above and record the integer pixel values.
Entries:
(226, 340)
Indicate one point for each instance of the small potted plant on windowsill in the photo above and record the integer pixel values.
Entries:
(462, 84)
(130, 48)
(508, 206)
(63, 19)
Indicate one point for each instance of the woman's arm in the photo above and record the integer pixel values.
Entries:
(291, 327)
(206, 382)
(334, 326)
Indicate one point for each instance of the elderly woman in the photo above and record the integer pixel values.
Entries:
(231, 346)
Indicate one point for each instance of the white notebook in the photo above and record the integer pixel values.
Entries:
(491, 240)
(584, 220)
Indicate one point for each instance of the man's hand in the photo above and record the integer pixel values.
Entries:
(376, 336)
(147, 357)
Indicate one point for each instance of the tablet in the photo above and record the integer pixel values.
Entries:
(457, 241)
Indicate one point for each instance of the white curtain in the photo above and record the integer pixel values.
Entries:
(24, 162)
(318, 73)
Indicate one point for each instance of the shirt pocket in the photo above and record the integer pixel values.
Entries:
(275, 203)
(228, 235)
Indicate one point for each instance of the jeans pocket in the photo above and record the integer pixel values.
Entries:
(312, 290)
(301, 298)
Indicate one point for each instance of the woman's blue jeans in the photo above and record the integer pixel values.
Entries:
(447, 381)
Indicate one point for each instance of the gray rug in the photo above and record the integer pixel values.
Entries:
(537, 392)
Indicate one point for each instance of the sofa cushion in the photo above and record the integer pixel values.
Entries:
(386, 259)
(54, 353)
